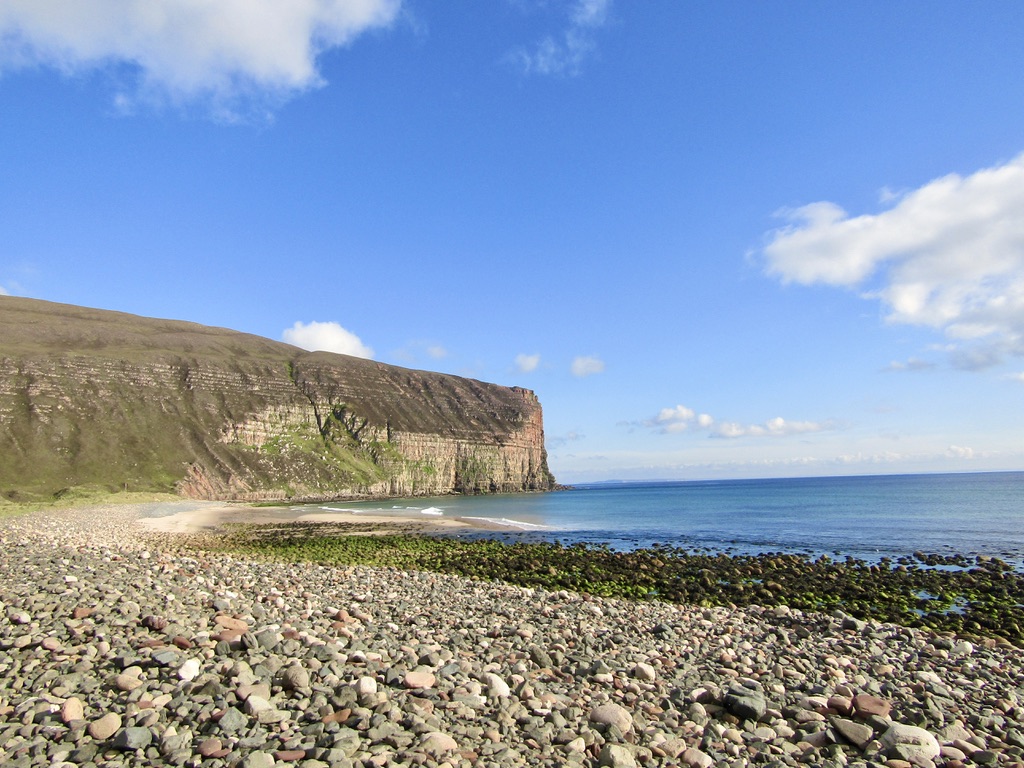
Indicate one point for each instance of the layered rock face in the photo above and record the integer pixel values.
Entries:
(91, 398)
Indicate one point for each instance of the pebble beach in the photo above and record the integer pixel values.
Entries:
(123, 645)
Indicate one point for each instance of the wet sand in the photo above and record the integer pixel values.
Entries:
(196, 517)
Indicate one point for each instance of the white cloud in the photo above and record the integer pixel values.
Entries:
(777, 427)
(437, 352)
(564, 54)
(680, 418)
(959, 452)
(587, 366)
(912, 364)
(1017, 377)
(326, 337)
(679, 413)
(527, 363)
(186, 49)
(948, 255)
(4, 291)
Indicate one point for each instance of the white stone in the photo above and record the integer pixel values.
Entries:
(612, 714)
(256, 704)
(577, 745)
(913, 740)
(438, 744)
(963, 648)
(366, 686)
(496, 687)
(645, 672)
(694, 758)
(189, 670)
(616, 756)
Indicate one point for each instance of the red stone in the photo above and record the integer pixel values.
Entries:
(341, 716)
(209, 747)
(840, 704)
(866, 705)
(231, 623)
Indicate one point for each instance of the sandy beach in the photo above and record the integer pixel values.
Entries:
(198, 517)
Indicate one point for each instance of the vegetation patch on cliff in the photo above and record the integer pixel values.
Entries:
(90, 398)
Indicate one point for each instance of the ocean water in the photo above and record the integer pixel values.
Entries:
(864, 517)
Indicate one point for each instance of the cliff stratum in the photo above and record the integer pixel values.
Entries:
(96, 398)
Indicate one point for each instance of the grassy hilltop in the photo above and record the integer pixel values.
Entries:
(91, 398)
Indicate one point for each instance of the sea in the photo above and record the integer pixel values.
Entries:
(868, 518)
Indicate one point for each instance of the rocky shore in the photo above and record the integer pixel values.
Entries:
(120, 646)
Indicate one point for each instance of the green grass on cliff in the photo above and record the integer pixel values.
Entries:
(82, 497)
(96, 398)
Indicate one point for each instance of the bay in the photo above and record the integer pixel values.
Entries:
(865, 517)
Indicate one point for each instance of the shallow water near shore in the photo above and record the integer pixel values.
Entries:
(864, 517)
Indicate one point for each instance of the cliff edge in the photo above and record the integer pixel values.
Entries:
(97, 398)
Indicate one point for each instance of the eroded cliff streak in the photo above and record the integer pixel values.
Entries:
(99, 398)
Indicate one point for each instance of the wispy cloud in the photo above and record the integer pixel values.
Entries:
(952, 458)
(554, 442)
(976, 358)
(959, 452)
(912, 364)
(326, 337)
(4, 291)
(586, 366)
(948, 255)
(184, 50)
(564, 53)
(527, 363)
(777, 427)
(416, 350)
(680, 418)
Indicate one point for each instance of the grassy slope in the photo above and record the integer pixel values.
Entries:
(96, 398)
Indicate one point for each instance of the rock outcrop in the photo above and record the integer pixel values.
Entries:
(96, 398)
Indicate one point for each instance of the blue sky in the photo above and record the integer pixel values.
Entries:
(717, 239)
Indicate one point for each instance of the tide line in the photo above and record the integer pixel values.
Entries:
(508, 523)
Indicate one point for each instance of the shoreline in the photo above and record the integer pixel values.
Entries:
(978, 599)
(214, 516)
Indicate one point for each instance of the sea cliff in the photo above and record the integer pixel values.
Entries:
(96, 398)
